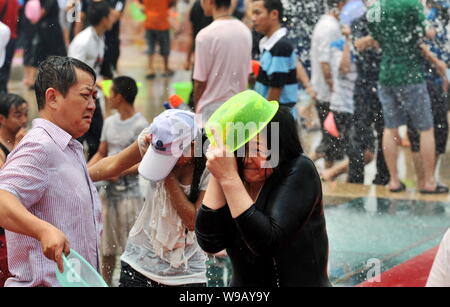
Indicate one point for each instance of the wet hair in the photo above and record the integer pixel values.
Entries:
(274, 5)
(199, 168)
(126, 87)
(97, 10)
(289, 140)
(7, 101)
(59, 73)
(222, 3)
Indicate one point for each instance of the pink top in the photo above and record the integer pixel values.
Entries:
(222, 59)
(47, 172)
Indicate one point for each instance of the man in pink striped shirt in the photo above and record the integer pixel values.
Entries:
(48, 203)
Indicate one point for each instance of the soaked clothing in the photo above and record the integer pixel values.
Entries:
(278, 67)
(399, 27)
(367, 110)
(281, 239)
(399, 102)
(49, 38)
(159, 247)
(439, 107)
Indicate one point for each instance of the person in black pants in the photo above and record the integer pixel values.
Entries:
(368, 114)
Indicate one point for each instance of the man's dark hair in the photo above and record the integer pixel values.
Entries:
(274, 5)
(334, 3)
(222, 3)
(59, 73)
(7, 101)
(97, 10)
(126, 87)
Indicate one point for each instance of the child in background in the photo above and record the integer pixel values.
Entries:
(122, 199)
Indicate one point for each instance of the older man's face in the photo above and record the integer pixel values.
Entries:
(78, 107)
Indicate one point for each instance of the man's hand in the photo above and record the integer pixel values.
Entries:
(53, 244)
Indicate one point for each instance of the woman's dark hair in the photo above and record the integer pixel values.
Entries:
(59, 73)
(199, 168)
(7, 101)
(126, 87)
(97, 10)
(288, 139)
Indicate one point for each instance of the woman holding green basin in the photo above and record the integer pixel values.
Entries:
(269, 219)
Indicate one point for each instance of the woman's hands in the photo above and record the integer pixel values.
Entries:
(144, 141)
(221, 161)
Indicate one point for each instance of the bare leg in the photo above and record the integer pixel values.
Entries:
(151, 69)
(428, 154)
(332, 173)
(391, 141)
(108, 265)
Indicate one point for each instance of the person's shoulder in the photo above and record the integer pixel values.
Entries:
(302, 166)
(283, 48)
(140, 122)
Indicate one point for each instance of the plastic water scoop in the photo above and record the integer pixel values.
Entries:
(240, 119)
(78, 272)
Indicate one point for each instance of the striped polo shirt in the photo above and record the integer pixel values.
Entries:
(278, 68)
(47, 173)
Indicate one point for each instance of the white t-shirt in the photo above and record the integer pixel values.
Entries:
(119, 134)
(222, 59)
(158, 246)
(343, 85)
(440, 272)
(5, 35)
(326, 31)
(89, 48)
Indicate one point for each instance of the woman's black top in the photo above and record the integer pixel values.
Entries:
(281, 240)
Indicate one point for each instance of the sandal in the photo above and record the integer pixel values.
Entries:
(150, 76)
(440, 189)
(401, 188)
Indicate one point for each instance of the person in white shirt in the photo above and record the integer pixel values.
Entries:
(326, 31)
(440, 271)
(5, 34)
(89, 45)
(121, 197)
(222, 58)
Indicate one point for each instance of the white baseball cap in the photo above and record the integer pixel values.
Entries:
(172, 133)
(5, 34)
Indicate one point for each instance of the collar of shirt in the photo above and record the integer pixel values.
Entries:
(266, 43)
(58, 135)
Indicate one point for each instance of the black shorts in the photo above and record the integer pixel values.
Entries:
(439, 107)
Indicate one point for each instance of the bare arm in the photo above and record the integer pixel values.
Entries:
(274, 94)
(440, 66)
(344, 67)
(115, 165)
(16, 218)
(199, 89)
(365, 43)
(101, 153)
(214, 197)
(186, 210)
(326, 70)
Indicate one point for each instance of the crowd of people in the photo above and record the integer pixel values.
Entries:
(367, 74)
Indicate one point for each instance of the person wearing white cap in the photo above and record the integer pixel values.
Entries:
(5, 34)
(162, 249)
